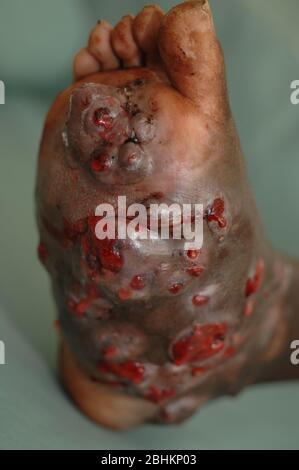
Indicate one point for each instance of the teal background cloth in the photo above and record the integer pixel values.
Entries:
(37, 41)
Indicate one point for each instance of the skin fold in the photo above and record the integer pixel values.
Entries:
(151, 331)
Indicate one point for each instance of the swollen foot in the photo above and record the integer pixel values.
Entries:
(157, 329)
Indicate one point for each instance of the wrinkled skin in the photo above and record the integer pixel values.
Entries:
(150, 329)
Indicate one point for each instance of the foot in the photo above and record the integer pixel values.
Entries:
(171, 326)
(131, 43)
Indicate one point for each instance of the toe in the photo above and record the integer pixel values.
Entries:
(124, 44)
(84, 64)
(146, 28)
(99, 46)
(193, 56)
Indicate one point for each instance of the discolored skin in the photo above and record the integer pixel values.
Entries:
(151, 331)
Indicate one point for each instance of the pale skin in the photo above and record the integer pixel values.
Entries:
(149, 336)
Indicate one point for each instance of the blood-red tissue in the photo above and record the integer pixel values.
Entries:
(192, 254)
(157, 395)
(110, 256)
(200, 300)
(195, 271)
(137, 283)
(253, 284)
(100, 163)
(129, 370)
(175, 288)
(103, 118)
(215, 213)
(80, 308)
(124, 294)
(198, 371)
(203, 342)
(110, 352)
